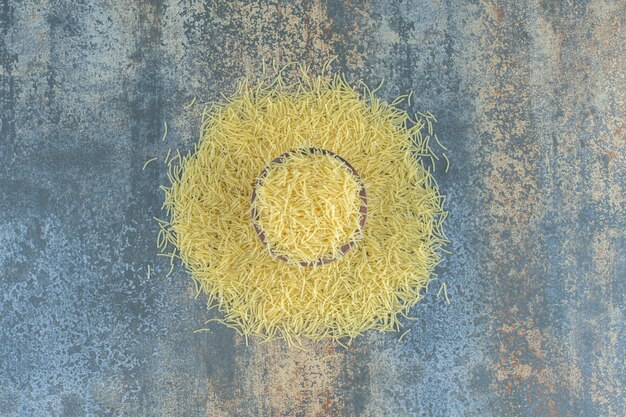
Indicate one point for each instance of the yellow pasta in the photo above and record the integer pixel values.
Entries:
(147, 162)
(309, 206)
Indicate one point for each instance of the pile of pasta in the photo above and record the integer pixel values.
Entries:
(261, 271)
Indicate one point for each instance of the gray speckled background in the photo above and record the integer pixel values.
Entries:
(531, 101)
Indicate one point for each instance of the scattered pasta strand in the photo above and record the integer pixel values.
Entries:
(191, 103)
(147, 162)
(443, 288)
(164, 131)
(404, 334)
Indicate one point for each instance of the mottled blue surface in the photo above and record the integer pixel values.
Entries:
(530, 98)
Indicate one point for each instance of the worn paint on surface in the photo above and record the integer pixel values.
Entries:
(530, 98)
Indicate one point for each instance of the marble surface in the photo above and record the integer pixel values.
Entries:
(530, 98)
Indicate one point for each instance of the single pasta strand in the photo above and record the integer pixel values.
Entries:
(147, 162)
(443, 288)
(404, 334)
(193, 100)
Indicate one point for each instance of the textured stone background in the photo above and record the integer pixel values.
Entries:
(531, 100)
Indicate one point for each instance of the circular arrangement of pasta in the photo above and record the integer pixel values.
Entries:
(309, 207)
(269, 213)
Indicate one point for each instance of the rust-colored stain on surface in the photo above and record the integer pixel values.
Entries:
(530, 100)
